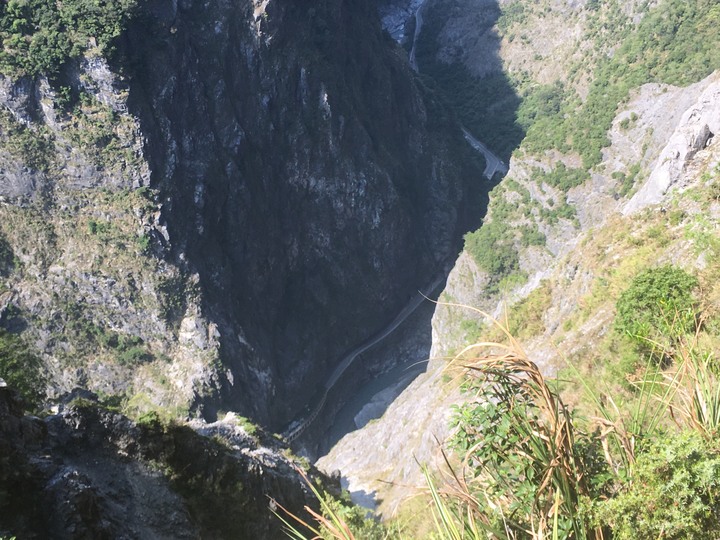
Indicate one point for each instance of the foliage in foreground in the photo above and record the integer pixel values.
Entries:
(672, 494)
(530, 468)
(644, 469)
(339, 520)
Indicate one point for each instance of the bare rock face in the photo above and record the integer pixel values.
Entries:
(695, 131)
(395, 16)
(410, 434)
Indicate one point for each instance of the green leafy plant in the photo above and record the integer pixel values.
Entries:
(519, 445)
(673, 492)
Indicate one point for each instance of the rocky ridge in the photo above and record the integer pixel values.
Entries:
(88, 472)
(695, 131)
(89, 274)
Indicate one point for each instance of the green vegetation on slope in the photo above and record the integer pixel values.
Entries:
(7, 257)
(32, 144)
(561, 177)
(20, 368)
(38, 36)
(658, 308)
(674, 43)
(493, 249)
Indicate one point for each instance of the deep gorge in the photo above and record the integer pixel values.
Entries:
(311, 183)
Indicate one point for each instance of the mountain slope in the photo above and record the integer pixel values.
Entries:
(89, 472)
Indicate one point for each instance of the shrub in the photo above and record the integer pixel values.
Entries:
(673, 492)
(657, 309)
(561, 177)
(38, 36)
(493, 249)
(531, 236)
(626, 180)
(134, 356)
(7, 257)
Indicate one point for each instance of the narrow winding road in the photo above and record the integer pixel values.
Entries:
(408, 310)
(296, 428)
(493, 163)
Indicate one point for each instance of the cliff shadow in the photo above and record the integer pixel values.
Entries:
(485, 104)
(481, 95)
(305, 181)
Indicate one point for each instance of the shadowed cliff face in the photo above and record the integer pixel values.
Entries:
(308, 180)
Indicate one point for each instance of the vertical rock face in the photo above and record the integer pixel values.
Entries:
(306, 177)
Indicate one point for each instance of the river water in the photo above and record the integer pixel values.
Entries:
(397, 360)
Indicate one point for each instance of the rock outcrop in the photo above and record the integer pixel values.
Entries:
(695, 131)
(87, 472)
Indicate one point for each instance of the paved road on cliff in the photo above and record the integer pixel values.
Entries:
(294, 431)
(493, 163)
(418, 299)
